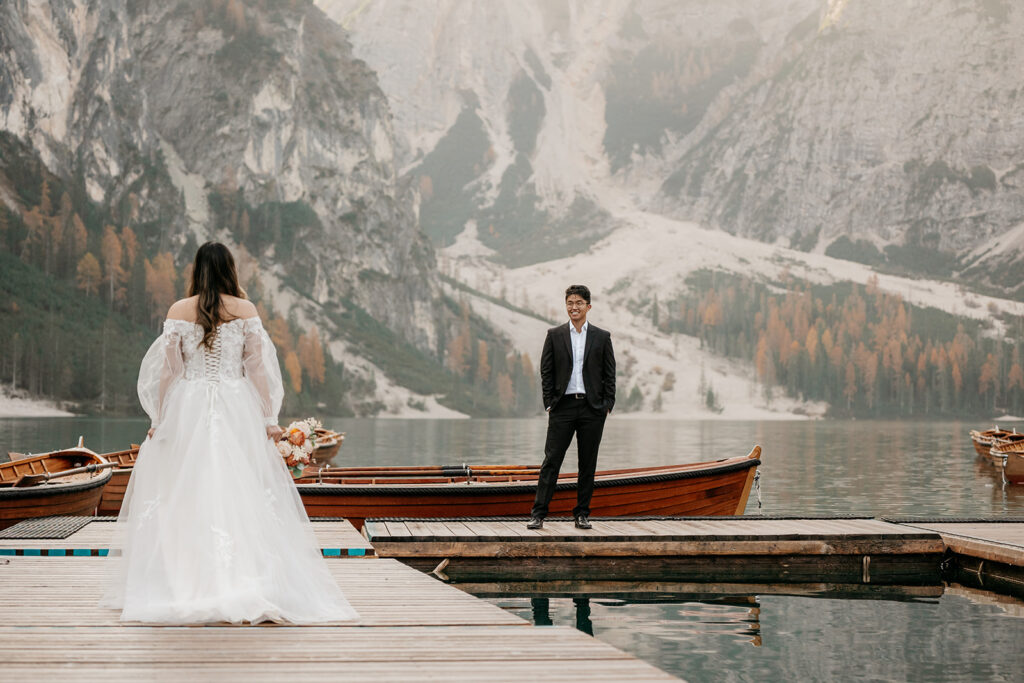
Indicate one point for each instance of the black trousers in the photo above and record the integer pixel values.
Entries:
(569, 417)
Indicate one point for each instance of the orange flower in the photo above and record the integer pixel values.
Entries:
(296, 437)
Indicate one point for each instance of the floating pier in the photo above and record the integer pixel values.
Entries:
(713, 549)
(751, 549)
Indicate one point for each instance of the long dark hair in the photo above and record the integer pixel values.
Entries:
(213, 274)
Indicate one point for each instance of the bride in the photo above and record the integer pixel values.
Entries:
(212, 528)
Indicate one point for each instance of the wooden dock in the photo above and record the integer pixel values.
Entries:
(411, 627)
(718, 549)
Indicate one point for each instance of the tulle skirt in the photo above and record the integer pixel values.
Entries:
(212, 528)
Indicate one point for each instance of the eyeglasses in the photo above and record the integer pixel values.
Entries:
(576, 304)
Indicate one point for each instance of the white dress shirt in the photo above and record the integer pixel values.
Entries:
(578, 341)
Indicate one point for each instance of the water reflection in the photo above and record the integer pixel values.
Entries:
(811, 467)
(798, 632)
(541, 611)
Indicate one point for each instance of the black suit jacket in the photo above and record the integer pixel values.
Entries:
(598, 367)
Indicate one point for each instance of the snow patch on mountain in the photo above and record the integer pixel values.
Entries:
(651, 255)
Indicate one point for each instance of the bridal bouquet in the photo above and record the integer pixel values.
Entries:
(297, 444)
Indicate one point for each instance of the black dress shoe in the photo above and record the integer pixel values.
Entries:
(535, 523)
(583, 522)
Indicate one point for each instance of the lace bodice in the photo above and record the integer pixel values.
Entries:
(241, 349)
(223, 360)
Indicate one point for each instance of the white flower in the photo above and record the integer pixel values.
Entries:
(284, 448)
(307, 447)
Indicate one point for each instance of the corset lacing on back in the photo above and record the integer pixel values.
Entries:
(223, 360)
(211, 359)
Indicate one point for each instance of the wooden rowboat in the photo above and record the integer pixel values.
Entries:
(983, 440)
(358, 493)
(327, 444)
(113, 492)
(76, 493)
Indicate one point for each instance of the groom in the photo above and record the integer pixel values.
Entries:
(577, 377)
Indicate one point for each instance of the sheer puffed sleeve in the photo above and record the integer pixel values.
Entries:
(259, 358)
(162, 366)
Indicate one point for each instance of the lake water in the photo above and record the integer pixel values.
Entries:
(947, 633)
(952, 634)
(808, 467)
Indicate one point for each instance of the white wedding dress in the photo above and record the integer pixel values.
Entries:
(212, 528)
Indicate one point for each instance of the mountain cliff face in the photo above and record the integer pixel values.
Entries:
(195, 114)
(884, 124)
(811, 121)
(498, 113)
(514, 116)
(250, 123)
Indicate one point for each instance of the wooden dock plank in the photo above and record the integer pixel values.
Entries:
(439, 530)
(336, 536)
(1007, 533)
(397, 529)
(133, 645)
(464, 531)
(518, 529)
(422, 529)
(507, 668)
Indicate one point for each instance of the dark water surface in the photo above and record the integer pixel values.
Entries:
(725, 633)
(808, 467)
(954, 634)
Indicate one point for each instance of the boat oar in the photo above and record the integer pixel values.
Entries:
(33, 479)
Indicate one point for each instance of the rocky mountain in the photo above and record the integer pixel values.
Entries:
(516, 116)
(265, 102)
(894, 128)
(884, 133)
(251, 123)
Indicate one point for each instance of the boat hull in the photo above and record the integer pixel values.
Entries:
(17, 505)
(113, 493)
(78, 495)
(1013, 469)
(719, 489)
